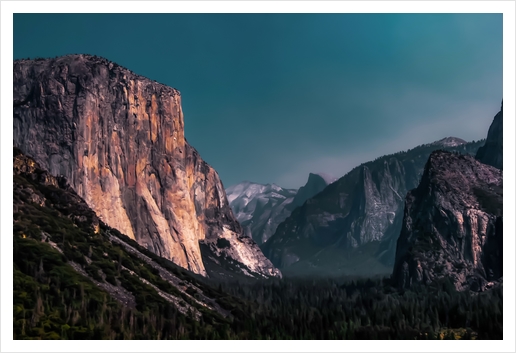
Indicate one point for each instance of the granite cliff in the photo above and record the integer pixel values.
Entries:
(351, 227)
(453, 225)
(119, 139)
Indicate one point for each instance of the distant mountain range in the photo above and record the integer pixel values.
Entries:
(122, 231)
(352, 226)
(118, 138)
(261, 208)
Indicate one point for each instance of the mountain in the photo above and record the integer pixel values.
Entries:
(492, 152)
(315, 184)
(449, 142)
(74, 277)
(453, 225)
(77, 278)
(261, 208)
(351, 227)
(119, 139)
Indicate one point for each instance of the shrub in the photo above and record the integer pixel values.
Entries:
(223, 243)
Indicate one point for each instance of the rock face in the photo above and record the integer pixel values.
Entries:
(364, 206)
(492, 152)
(452, 225)
(49, 212)
(119, 140)
(261, 208)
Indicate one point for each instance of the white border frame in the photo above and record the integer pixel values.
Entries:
(10, 7)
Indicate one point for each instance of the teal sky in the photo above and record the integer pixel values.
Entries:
(271, 97)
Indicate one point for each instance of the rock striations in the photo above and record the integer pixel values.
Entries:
(363, 207)
(452, 225)
(492, 152)
(119, 140)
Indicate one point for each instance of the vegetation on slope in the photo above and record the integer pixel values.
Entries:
(71, 281)
(76, 278)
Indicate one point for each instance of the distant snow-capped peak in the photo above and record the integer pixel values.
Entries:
(449, 142)
(259, 208)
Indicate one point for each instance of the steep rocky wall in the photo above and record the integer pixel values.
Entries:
(453, 225)
(364, 206)
(119, 139)
(492, 152)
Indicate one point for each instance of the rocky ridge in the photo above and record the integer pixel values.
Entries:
(119, 139)
(363, 207)
(453, 225)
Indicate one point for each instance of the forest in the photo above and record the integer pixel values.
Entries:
(53, 230)
(367, 309)
(51, 301)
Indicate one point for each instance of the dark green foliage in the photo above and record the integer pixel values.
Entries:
(51, 300)
(223, 243)
(54, 301)
(94, 272)
(362, 309)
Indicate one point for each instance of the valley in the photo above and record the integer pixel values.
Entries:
(122, 231)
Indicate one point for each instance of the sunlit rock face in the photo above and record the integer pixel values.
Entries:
(453, 225)
(119, 139)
